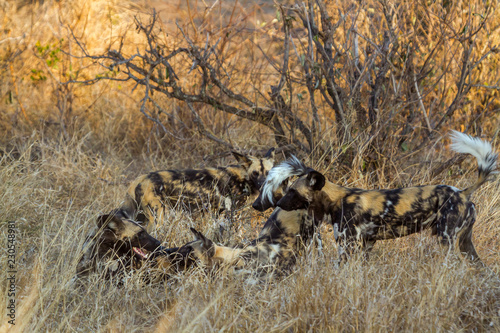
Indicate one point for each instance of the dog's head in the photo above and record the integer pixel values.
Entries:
(303, 191)
(203, 248)
(256, 168)
(172, 260)
(212, 255)
(124, 236)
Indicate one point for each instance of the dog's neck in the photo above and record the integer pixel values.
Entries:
(327, 200)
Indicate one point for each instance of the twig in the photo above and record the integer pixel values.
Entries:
(424, 112)
(446, 165)
(14, 84)
(202, 129)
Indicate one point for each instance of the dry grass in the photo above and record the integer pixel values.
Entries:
(68, 156)
(409, 284)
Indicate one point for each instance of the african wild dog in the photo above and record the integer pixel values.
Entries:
(280, 241)
(275, 188)
(361, 217)
(116, 244)
(119, 244)
(164, 262)
(223, 188)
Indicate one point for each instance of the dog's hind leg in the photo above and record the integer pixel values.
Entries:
(454, 228)
(350, 246)
(464, 234)
(318, 241)
(347, 244)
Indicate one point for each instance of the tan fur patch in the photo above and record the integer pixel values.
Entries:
(213, 172)
(289, 221)
(302, 188)
(372, 201)
(427, 191)
(130, 229)
(333, 191)
(352, 199)
(134, 184)
(226, 254)
(163, 264)
(165, 176)
(407, 198)
(255, 166)
(268, 165)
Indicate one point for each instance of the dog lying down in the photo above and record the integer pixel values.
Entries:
(283, 237)
(119, 245)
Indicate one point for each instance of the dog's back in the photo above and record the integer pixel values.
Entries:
(223, 188)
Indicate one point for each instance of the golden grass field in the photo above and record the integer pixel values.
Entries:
(68, 156)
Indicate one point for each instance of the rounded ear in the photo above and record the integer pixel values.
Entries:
(316, 180)
(102, 219)
(242, 159)
(196, 233)
(270, 154)
(106, 221)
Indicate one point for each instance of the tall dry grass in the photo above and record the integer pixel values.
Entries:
(409, 284)
(68, 155)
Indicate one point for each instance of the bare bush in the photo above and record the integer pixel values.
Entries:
(390, 72)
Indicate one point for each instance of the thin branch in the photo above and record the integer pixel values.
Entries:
(421, 103)
(202, 129)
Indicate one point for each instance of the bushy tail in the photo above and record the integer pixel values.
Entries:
(278, 174)
(481, 150)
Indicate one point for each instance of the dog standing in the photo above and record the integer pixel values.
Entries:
(283, 237)
(361, 217)
(276, 183)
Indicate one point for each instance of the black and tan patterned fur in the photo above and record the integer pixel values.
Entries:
(361, 217)
(119, 245)
(164, 262)
(280, 241)
(116, 244)
(222, 188)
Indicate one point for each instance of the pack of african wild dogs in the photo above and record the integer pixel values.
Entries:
(301, 198)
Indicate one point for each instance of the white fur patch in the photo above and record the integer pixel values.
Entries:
(481, 150)
(275, 250)
(364, 229)
(336, 231)
(386, 211)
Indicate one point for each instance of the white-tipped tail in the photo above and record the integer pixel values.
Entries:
(481, 150)
(291, 167)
